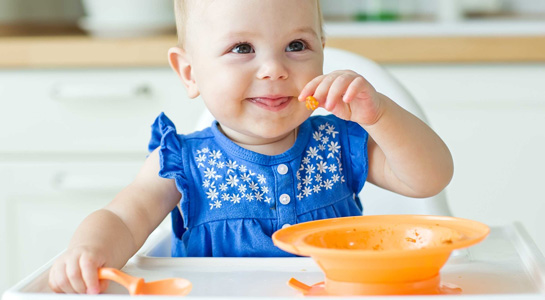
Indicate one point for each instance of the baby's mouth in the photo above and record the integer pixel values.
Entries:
(271, 103)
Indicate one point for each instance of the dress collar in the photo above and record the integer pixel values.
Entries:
(232, 148)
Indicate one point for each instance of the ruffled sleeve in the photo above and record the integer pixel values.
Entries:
(357, 139)
(164, 137)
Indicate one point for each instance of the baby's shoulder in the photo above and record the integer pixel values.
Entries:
(198, 135)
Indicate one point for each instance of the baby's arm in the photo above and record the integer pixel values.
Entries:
(405, 155)
(111, 235)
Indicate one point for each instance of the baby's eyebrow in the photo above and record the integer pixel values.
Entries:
(241, 33)
(250, 34)
(308, 30)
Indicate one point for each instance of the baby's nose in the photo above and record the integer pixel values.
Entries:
(273, 69)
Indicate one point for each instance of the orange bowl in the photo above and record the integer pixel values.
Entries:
(381, 249)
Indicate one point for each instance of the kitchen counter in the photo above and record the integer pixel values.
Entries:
(384, 43)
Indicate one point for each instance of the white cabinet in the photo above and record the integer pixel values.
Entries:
(492, 117)
(69, 141)
(47, 200)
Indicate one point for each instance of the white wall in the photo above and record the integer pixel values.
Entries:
(41, 10)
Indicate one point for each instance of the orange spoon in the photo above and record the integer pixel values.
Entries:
(137, 286)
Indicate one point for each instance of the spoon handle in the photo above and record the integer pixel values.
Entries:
(298, 285)
(129, 282)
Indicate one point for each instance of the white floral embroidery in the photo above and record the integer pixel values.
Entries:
(258, 196)
(331, 130)
(216, 154)
(307, 191)
(235, 181)
(249, 197)
(227, 182)
(235, 198)
(215, 204)
(312, 152)
(318, 177)
(321, 167)
(307, 180)
(310, 169)
(328, 184)
(333, 148)
(210, 173)
(212, 194)
(254, 186)
(245, 177)
(232, 180)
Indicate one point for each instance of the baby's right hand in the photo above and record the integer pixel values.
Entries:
(76, 271)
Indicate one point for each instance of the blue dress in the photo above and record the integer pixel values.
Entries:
(234, 199)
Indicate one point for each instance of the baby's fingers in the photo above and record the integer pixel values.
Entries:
(73, 272)
(310, 88)
(58, 281)
(357, 86)
(337, 90)
(89, 272)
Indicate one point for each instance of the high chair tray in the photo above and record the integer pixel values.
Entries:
(506, 265)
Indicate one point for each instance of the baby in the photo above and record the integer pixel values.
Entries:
(264, 163)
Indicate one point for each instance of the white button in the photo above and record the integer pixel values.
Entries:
(282, 169)
(286, 226)
(285, 199)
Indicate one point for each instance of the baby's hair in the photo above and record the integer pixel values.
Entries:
(180, 10)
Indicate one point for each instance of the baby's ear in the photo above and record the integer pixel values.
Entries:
(181, 64)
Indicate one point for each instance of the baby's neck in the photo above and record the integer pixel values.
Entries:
(266, 147)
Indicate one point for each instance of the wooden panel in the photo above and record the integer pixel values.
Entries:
(84, 51)
(448, 49)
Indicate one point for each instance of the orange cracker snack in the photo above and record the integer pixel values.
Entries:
(311, 103)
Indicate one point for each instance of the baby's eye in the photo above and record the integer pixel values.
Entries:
(243, 48)
(296, 46)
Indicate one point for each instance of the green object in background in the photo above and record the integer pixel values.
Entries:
(382, 16)
(377, 10)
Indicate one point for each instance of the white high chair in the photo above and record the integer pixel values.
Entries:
(375, 200)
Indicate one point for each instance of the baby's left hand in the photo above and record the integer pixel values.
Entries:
(347, 95)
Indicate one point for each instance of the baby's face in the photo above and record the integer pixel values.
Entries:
(250, 60)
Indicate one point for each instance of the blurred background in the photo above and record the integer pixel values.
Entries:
(82, 81)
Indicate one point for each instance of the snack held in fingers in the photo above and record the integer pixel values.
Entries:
(311, 103)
